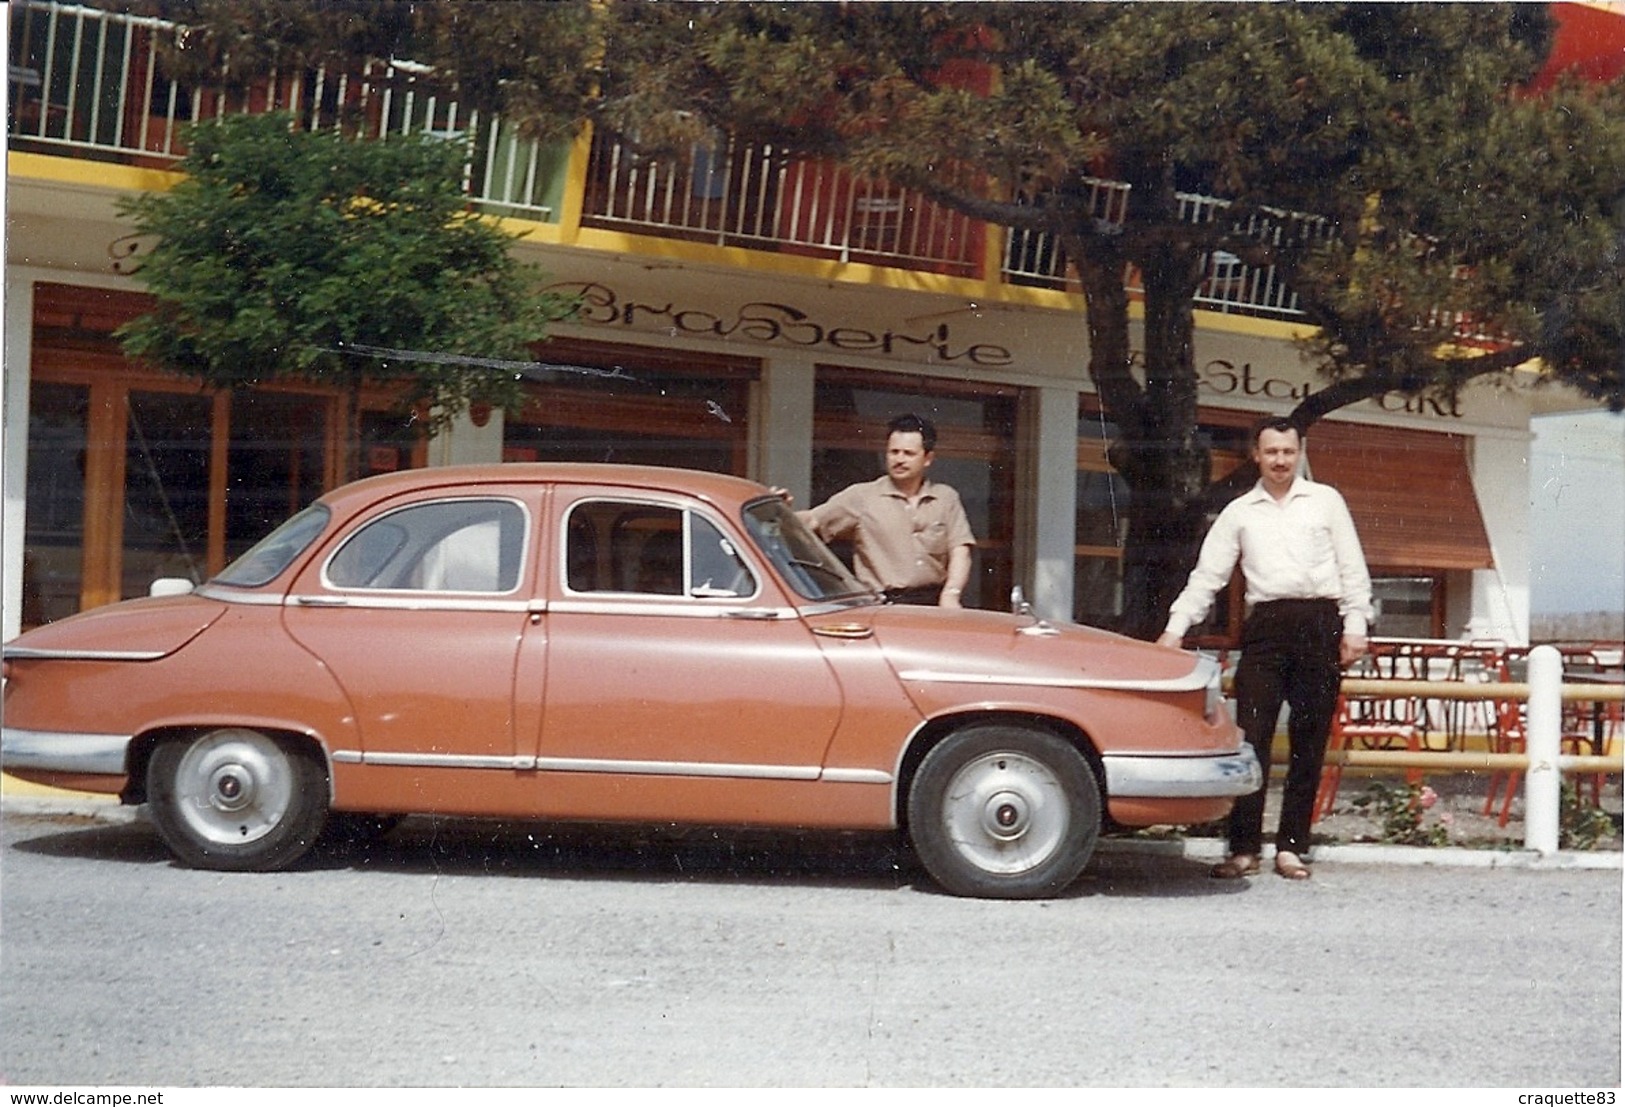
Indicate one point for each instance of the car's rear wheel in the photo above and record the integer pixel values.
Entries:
(1004, 812)
(236, 799)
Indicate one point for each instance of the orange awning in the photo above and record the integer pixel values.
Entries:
(1410, 492)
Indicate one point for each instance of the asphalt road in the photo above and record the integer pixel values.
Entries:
(483, 955)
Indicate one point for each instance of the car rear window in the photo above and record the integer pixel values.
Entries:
(447, 546)
(277, 550)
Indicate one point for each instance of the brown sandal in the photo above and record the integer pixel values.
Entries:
(1289, 865)
(1234, 867)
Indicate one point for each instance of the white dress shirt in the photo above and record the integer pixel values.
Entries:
(1300, 547)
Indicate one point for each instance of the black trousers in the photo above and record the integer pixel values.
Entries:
(925, 595)
(1289, 653)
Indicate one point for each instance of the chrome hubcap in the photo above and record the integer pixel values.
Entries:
(233, 786)
(1006, 812)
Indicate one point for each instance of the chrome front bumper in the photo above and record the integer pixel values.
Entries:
(1142, 777)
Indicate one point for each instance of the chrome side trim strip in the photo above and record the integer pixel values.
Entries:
(53, 751)
(1191, 682)
(422, 601)
(232, 595)
(520, 763)
(438, 760)
(677, 768)
(856, 776)
(698, 607)
(1230, 774)
(26, 653)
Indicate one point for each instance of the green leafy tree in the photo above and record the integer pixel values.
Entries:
(1446, 205)
(284, 253)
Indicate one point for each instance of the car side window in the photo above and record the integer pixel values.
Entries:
(650, 550)
(447, 546)
(717, 568)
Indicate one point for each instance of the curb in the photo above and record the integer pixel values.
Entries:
(72, 806)
(1377, 853)
(109, 810)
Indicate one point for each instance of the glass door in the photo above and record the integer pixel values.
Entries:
(167, 451)
(54, 526)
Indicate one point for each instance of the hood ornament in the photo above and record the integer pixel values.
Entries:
(1019, 606)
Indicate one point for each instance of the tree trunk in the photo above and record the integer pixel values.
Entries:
(1169, 459)
(1158, 451)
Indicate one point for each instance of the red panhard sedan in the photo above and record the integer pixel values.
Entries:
(604, 643)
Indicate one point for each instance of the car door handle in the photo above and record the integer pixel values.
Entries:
(320, 601)
(759, 613)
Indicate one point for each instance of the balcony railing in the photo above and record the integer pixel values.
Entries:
(85, 83)
(762, 197)
(1230, 285)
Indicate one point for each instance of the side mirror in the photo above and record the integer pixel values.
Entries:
(170, 586)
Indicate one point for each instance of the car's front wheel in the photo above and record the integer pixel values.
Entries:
(1004, 812)
(236, 799)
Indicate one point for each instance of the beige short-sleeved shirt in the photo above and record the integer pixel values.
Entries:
(895, 544)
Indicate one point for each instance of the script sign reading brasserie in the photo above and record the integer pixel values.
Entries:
(778, 324)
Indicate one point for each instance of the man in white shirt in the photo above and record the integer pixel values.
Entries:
(1309, 607)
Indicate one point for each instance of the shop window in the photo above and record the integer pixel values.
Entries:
(1102, 525)
(390, 442)
(54, 526)
(276, 461)
(133, 474)
(167, 450)
(633, 406)
(975, 454)
(276, 464)
(1408, 607)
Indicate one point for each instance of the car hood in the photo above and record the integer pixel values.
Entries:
(135, 630)
(996, 648)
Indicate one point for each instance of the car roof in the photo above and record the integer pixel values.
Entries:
(717, 488)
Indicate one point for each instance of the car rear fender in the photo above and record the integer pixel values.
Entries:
(139, 758)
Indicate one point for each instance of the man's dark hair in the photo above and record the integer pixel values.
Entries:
(1275, 423)
(913, 424)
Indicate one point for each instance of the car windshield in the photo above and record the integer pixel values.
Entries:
(804, 561)
(276, 551)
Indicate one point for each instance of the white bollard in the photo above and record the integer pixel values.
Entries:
(1543, 782)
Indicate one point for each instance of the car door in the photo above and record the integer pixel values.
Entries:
(679, 682)
(423, 611)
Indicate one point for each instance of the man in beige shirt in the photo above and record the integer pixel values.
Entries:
(910, 537)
